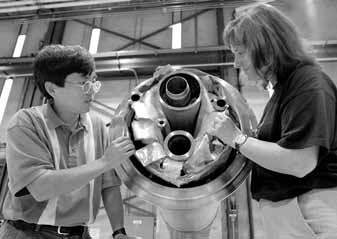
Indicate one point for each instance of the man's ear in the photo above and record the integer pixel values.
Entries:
(50, 88)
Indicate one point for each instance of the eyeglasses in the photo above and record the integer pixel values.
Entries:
(90, 86)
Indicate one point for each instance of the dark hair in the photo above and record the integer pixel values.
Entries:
(271, 37)
(54, 62)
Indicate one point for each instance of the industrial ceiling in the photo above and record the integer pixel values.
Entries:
(29, 10)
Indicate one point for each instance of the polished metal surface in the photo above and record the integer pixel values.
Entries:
(188, 199)
(180, 109)
(179, 145)
(178, 91)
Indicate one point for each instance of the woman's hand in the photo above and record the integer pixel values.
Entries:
(224, 128)
(162, 71)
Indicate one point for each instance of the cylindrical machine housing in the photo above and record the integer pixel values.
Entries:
(191, 206)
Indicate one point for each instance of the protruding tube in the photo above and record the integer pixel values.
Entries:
(135, 96)
(179, 145)
(219, 104)
(178, 91)
(164, 126)
(180, 99)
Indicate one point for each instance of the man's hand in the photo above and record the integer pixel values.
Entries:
(119, 150)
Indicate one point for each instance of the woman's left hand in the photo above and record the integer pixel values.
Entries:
(224, 128)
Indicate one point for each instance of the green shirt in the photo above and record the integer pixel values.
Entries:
(30, 152)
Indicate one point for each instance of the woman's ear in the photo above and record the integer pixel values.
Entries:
(50, 88)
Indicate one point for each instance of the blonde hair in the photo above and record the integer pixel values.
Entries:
(271, 38)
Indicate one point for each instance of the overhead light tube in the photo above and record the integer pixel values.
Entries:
(19, 45)
(4, 96)
(176, 36)
(95, 34)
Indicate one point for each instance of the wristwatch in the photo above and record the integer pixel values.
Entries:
(240, 140)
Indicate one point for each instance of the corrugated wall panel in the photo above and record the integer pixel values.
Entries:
(152, 23)
(34, 38)
(188, 31)
(9, 33)
(123, 24)
(134, 26)
(13, 104)
(207, 29)
(77, 34)
(315, 19)
(139, 25)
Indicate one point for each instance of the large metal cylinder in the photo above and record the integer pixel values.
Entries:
(201, 172)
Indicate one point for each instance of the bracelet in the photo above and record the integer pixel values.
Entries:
(119, 231)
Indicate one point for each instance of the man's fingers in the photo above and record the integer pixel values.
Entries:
(130, 153)
(128, 147)
(120, 138)
(123, 143)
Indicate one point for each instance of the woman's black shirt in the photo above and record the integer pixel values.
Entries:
(301, 113)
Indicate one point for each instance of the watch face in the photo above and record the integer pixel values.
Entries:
(240, 139)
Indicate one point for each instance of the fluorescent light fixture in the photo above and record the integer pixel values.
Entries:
(95, 33)
(176, 36)
(19, 45)
(311, 9)
(4, 96)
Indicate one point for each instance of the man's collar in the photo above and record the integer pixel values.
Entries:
(84, 120)
(55, 121)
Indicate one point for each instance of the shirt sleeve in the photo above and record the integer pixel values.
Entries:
(110, 178)
(27, 157)
(308, 120)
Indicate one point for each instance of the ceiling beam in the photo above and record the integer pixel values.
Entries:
(144, 62)
(71, 10)
(164, 28)
(117, 34)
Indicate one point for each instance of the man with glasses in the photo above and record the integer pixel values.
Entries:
(60, 158)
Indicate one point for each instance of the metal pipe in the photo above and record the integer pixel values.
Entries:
(85, 13)
(56, 5)
(325, 59)
(121, 69)
(178, 91)
(178, 145)
(181, 117)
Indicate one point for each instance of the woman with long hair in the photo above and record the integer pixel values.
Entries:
(294, 177)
